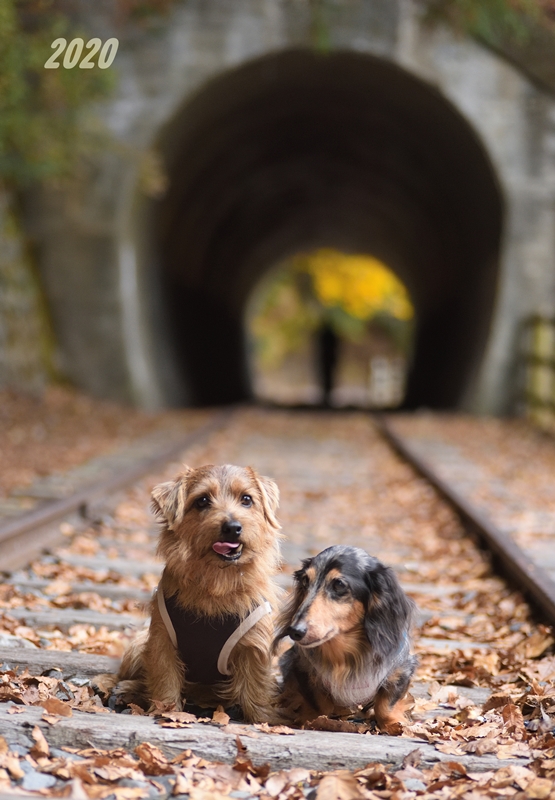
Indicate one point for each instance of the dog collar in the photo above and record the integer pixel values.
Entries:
(204, 643)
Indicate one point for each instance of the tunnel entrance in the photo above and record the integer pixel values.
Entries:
(330, 329)
(297, 151)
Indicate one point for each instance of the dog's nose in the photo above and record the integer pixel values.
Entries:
(297, 632)
(231, 529)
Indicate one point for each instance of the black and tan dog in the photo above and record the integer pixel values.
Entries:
(350, 622)
(211, 629)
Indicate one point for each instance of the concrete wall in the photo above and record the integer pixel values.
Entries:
(97, 264)
(516, 122)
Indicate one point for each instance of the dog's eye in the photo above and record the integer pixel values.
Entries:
(246, 500)
(202, 502)
(339, 586)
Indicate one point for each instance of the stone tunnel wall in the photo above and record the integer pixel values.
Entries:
(24, 334)
(97, 260)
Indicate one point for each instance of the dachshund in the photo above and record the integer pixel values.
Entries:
(350, 622)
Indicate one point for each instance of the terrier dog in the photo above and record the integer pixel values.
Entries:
(350, 622)
(211, 628)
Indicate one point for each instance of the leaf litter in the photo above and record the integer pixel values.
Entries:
(497, 644)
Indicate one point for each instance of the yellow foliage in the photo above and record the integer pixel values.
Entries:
(358, 284)
(346, 291)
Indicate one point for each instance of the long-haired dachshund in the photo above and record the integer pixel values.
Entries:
(350, 622)
(211, 629)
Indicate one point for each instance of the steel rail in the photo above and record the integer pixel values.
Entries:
(512, 560)
(29, 533)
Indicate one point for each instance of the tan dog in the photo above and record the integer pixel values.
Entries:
(211, 629)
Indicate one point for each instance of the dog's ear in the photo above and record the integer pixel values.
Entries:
(169, 499)
(389, 611)
(269, 493)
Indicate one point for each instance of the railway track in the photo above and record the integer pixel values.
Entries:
(67, 614)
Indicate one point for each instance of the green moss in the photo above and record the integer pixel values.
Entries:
(41, 110)
(26, 344)
(491, 20)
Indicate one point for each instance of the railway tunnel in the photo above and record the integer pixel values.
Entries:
(300, 150)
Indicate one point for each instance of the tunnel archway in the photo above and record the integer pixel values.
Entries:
(301, 150)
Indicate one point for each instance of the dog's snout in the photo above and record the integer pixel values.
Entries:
(231, 529)
(297, 632)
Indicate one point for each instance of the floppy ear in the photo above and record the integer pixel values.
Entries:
(389, 611)
(270, 497)
(293, 604)
(168, 500)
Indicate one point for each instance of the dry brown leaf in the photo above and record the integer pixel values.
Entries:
(166, 724)
(276, 783)
(281, 730)
(54, 706)
(58, 587)
(77, 790)
(40, 748)
(450, 748)
(496, 701)
(241, 749)
(339, 786)
(512, 717)
(479, 747)
(539, 789)
(182, 783)
(224, 773)
(179, 716)
(298, 775)
(421, 705)
(152, 760)
(11, 764)
(52, 719)
(444, 695)
(115, 773)
(536, 644)
(196, 793)
(219, 717)
(413, 758)
(324, 723)
(514, 750)
(454, 767)
(136, 710)
(506, 776)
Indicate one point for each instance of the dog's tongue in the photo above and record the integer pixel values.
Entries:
(224, 548)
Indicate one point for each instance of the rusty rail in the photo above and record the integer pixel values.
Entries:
(512, 560)
(29, 533)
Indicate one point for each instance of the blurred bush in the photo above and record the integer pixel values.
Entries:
(39, 108)
(328, 287)
(490, 19)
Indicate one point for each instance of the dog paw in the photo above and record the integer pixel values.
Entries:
(165, 706)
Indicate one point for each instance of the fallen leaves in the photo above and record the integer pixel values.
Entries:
(219, 717)
(324, 723)
(339, 786)
(464, 603)
(40, 749)
(151, 760)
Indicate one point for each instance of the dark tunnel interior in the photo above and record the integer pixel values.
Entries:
(301, 150)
